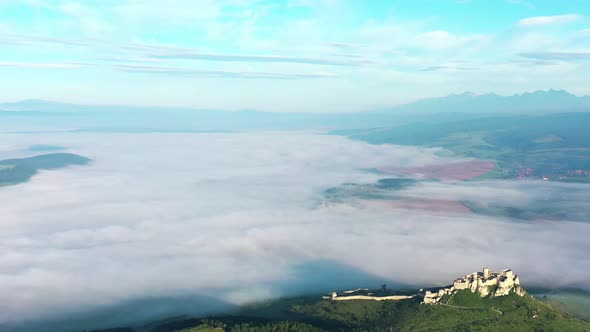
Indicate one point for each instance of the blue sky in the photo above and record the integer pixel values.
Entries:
(288, 55)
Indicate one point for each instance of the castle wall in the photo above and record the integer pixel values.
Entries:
(374, 298)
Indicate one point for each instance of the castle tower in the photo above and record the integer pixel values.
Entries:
(486, 273)
(509, 274)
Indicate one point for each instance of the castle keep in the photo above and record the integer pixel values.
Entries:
(486, 283)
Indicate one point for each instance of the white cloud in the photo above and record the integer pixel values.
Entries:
(41, 65)
(191, 72)
(444, 40)
(523, 3)
(549, 20)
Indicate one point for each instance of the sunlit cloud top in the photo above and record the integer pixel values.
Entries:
(288, 55)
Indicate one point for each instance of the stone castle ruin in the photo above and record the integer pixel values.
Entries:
(486, 283)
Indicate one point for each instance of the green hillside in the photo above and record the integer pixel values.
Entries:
(15, 171)
(464, 311)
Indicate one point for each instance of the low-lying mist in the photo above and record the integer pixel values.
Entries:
(236, 216)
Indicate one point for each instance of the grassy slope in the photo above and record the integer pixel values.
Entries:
(469, 313)
(575, 302)
(464, 311)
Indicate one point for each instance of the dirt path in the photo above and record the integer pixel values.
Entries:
(472, 308)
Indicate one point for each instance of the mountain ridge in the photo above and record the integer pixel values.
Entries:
(543, 99)
(539, 100)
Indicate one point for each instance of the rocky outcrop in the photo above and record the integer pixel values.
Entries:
(485, 283)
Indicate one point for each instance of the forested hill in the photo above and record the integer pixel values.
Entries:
(15, 171)
(464, 311)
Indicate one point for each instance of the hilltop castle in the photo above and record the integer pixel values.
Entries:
(486, 283)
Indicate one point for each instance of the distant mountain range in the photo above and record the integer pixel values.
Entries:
(39, 114)
(542, 100)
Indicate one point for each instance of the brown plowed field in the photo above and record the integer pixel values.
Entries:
(455, 171)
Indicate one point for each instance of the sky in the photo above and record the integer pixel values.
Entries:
(137, 223)
(288, 55)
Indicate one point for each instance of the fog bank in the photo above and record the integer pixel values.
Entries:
(233, 215)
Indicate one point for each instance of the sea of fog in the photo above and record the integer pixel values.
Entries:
(243, 217)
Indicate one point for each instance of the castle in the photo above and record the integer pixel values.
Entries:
(486, 283)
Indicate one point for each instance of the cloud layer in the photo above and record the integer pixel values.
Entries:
(233, 214)
(549, 20)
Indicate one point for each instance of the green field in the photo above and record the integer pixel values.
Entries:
(555, 146)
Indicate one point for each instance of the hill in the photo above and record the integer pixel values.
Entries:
(537, 101)
(464, 311)
(505, 308)
(15, 171)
